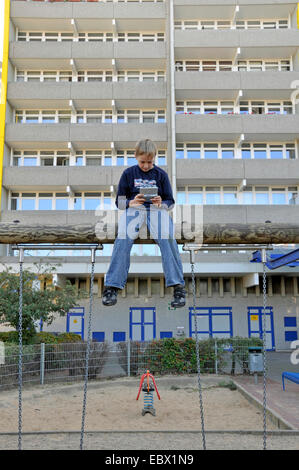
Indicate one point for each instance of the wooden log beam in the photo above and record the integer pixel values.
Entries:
(210, 234)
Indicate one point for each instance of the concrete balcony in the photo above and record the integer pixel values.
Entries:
(82, 136)
(87, 95)
(219, 172)
(254, 44)
(226, 85)
(58, 178)
(224, 9)
(228, 128)
(89, 16)
(87, 55)
(221, 214)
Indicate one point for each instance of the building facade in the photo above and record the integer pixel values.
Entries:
(215, 85)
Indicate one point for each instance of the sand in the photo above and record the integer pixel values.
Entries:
(112, 406)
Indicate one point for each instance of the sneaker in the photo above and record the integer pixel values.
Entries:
(109, 296)
(178, 297)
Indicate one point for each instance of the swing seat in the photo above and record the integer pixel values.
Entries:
(292, 376)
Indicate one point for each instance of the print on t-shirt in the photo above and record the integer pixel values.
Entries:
(141, 183)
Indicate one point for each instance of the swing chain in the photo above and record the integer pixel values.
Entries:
(197, 351)
(264, 357)
(87, 348)
(20, 326)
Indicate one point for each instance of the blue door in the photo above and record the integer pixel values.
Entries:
(75, 321)
(212, 322)
(142, 323)
(255, 325)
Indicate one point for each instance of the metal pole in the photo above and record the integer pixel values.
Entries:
(87, 347)
(129, 357)
(42, 363)
(216, 357)
(264, 260)
(192, 250)
(20, 326)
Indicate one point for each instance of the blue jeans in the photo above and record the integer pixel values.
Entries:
(161, 230)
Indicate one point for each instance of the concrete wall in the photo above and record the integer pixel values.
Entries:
(111, 319)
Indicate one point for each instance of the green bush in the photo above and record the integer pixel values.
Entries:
(178, 356)
(9, 337)
(69, 338)
(44, 337)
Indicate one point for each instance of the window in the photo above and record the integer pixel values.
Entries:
(193, 150)
(263, 151)
(210, 151)
(212, 195)
(231, 195)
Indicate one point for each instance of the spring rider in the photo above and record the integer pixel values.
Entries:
(148, 390)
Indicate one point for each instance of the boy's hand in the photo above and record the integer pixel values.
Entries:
(157, 201)
(138, 200)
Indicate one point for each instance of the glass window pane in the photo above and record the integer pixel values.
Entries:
(108, 161)
(278, 198)
(230, 198)
(212, 198)
(276, 154)
(195, 198)
(247, 198)
(30, 161)
(61, 204)
(28, 204)
(15, 204)
(148, 250)
(262, 198)
(179, 154)
(78, 203)
(246, 154)
(258, 154)
(131, 161)
(211, 153)
(228, 154)
(44, 204)
(31, 119)
(193, 153)
(181, 198)
(92, 204)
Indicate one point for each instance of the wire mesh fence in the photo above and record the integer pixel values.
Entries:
(63, 362)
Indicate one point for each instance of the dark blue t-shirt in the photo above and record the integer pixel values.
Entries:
(133, 178)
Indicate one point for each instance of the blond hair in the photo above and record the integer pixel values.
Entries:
(146, 147)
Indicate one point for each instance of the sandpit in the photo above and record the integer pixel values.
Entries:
(112, 406)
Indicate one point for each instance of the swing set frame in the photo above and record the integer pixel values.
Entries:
(217, 237)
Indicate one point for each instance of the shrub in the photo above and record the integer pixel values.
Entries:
(9, 337)
(178, 356)
(69, 338)
(45, 337)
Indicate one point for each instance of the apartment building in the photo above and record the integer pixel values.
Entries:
(213, 83)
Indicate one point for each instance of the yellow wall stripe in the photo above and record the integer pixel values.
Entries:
(4, 88)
